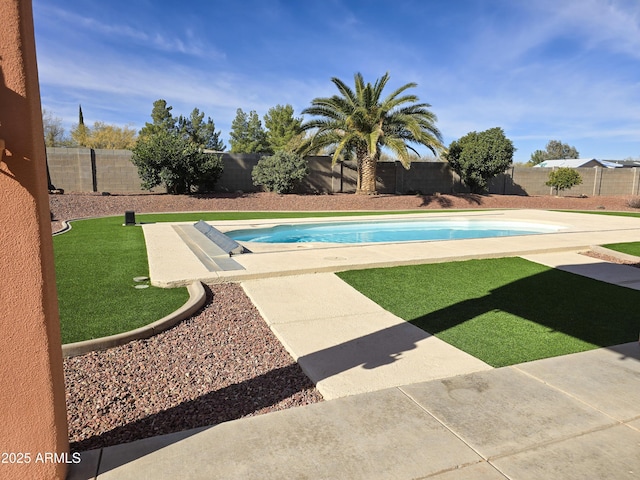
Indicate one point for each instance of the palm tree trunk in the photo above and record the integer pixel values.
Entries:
(366, 174)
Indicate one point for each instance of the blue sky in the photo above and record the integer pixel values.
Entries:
(567, 70)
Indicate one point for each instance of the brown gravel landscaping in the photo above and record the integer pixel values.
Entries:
(220, 365)
(224, 363)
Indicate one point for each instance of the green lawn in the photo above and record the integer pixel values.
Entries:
(598, 212)
(631, 248)
(505, 311)
(97, 260)
(95, 265)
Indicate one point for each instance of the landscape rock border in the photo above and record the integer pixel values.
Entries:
(622, 257)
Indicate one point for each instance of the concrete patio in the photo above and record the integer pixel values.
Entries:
(570, 417)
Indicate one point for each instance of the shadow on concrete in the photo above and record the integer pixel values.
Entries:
(564, 304)
(263, 391)
(244, 399)
(369, 352)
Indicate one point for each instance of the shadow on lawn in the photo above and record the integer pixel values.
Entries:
(560, 302)
(542, 315)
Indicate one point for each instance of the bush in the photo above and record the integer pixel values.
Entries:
(280, 172)
(478, 157)
(170, 159)
(563, 178)
(634, 202)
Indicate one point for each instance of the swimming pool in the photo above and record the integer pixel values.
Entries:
(389, 231)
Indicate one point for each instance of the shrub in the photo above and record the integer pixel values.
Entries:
(170, 159)
(563, 178)
(478, 157)
(634, 202)
(280, 172)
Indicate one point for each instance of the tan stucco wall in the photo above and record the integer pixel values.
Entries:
(32, 400)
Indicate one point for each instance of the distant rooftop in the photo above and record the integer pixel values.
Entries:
(625, 163)
(580, 163)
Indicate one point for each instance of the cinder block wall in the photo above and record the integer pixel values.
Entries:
(619, 181)
(589, 185)
(86, 170)
(521, 181)
(323, 177)
(427, 178)
(237, 172)
(114, 172)
(70, 169)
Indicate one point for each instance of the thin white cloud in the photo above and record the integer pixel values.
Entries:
(106, 85)
(567, 104)
(610, 24)
(140, 34)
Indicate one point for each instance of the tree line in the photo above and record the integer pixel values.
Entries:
(358, 123)
(281, 131)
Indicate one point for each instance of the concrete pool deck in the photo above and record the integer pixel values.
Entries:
(345, 342)
(172, 263)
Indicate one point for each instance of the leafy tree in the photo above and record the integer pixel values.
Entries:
(53, 130)
(477, 157)
(563, 178)
(170, 151)
(167, 158)
(79, 135)
(361, 123)
(247, 134)
(111, 136)
(555, 150)
(281, 172)
(102, 135)
(283, 130)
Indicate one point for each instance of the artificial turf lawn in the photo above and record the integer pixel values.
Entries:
(505, 311)
(631, 248)
(95, 265)
(97, 260)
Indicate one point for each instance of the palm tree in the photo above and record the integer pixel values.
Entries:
(359, 122)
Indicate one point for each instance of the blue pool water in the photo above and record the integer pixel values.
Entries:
(389, 231)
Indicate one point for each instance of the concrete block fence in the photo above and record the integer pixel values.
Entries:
(89, 170)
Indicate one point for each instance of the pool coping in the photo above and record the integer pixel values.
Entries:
(172, 264)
